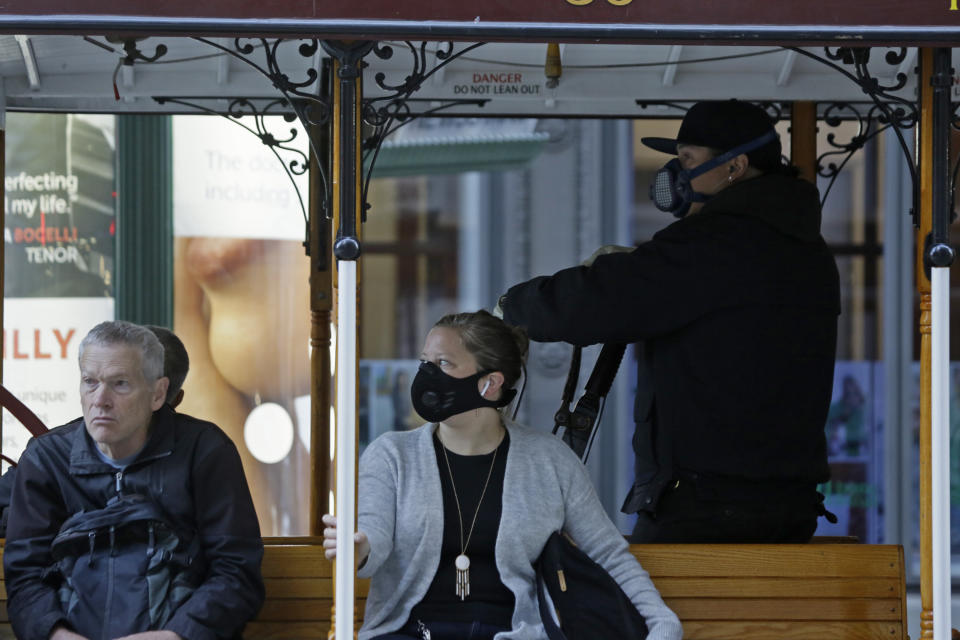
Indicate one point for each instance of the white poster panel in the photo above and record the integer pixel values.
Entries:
(41, 341)
(227, 184)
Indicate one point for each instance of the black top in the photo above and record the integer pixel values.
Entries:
(489, 601)
(737, 306)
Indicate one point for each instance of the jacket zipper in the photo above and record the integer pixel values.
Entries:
(119, 481)
(109, 602)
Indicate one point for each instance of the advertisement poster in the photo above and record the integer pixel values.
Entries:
(241, 304)
(954, 421)
(855, 453)
(41, 340)
(58, 267)
(385, 403)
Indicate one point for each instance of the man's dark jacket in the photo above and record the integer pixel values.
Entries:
(737, 309)
(190, 468)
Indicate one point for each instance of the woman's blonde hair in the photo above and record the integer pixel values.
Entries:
(493, 343)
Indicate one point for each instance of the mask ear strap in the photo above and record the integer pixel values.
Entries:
(746, 147)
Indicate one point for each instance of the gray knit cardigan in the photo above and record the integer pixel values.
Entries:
(545, 489)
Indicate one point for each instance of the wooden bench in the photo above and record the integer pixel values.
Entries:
(720, 592)
(782, 592)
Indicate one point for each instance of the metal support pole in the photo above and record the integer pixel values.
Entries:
(939, 257)
(924, 207)
(346, 175)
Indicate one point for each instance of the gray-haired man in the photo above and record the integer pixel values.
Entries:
(131, 442)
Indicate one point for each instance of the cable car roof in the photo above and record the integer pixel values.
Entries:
(78, 73)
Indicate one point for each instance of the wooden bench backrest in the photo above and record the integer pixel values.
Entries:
(782, 592)
(720, 592)
(299, 583)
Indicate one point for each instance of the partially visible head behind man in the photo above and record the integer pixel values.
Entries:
(121, 385)
(176, 362)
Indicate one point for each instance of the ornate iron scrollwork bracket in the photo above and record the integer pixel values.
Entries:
(133, 51)
(385, 114)
(773, 109)
(869, 125)
(889, 111)
(294, 161)
(311, 106)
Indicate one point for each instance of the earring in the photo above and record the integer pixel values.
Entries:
(730, 179)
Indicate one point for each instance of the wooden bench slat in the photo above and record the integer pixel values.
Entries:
(298, 587)
(283, 631)
(295, 562)
(316, 610)
(295, 610)
(787, 560)
(729, 630)
(845, 609)
(308, 587)
(865, 587)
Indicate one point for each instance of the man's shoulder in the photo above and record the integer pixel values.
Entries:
(58, 437)
(191, 428)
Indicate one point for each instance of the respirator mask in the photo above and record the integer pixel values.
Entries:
(671, 190)
(436, 395)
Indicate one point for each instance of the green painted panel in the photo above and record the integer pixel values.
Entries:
(144, 265)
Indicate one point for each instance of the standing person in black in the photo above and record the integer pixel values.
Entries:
(734, 308)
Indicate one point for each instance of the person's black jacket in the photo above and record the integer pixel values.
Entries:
(737, 309)
(190, 468)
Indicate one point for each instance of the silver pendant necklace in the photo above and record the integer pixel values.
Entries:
(462, 563)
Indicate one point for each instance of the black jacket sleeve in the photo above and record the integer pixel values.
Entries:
(621, 297)
(232, 591)
(695, 266)
(36, 514)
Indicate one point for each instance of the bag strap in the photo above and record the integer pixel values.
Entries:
(20, 411)
(544, 600)
(581, 424)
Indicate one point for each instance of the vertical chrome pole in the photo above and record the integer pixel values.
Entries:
(939, 258)
(346, 179)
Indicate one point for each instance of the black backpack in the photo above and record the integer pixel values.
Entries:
(578, 598)
(122, 569)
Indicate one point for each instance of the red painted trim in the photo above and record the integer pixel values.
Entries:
(829, 13)
(20, 411)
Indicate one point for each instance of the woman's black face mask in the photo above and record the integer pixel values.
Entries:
(436, 395)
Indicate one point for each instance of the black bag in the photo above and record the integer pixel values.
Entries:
(122, 569)
(578, 598)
